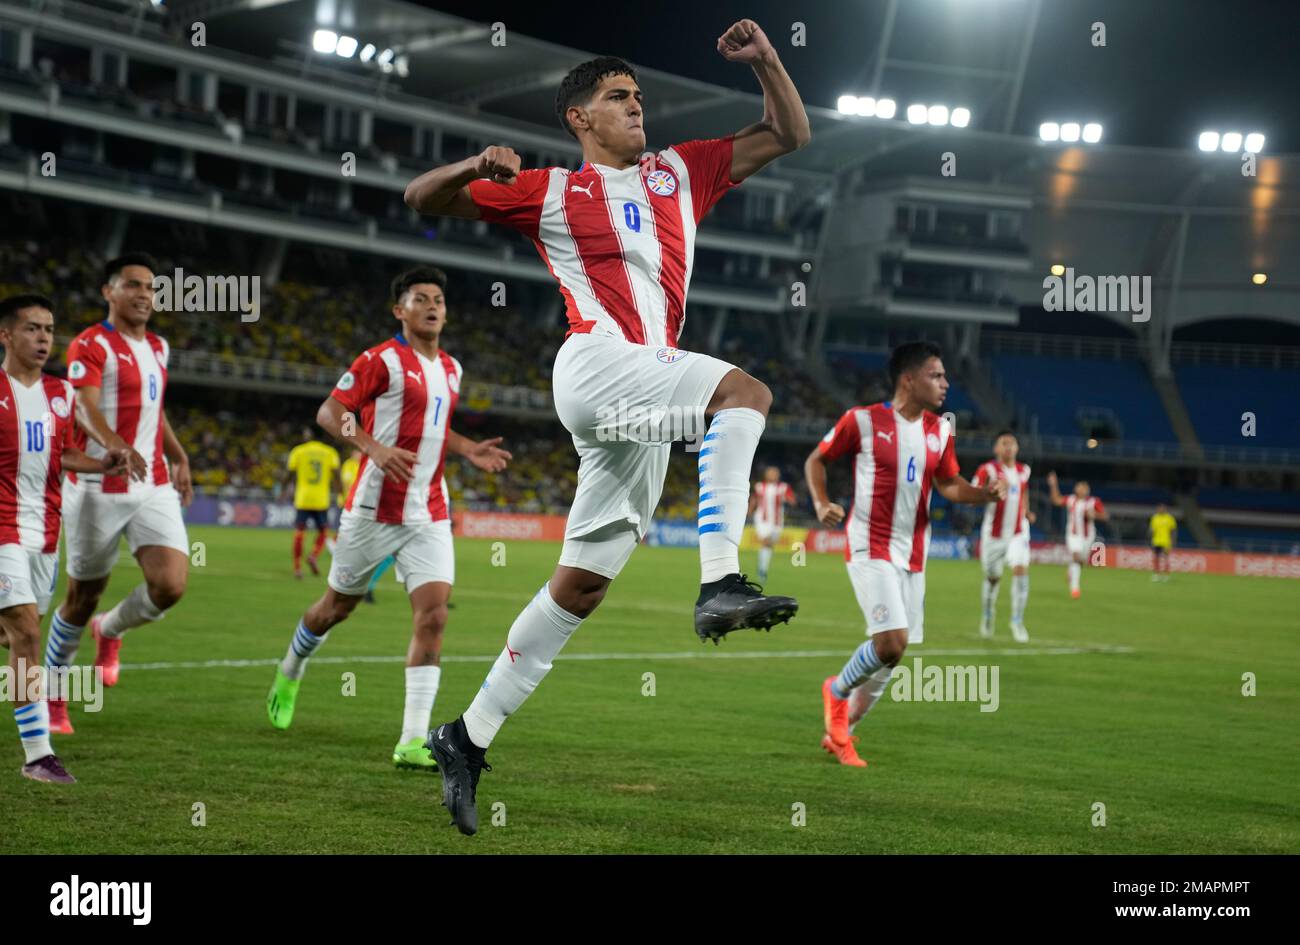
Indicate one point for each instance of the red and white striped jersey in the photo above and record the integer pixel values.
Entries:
(404, 400)
(772, 498)
(621, 243)
(131, 376)
(1006, 517)
(895, 461)
(34, 428)
(1078, 523)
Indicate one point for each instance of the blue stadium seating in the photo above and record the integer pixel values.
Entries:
(1250, 499)
(1057, 388)
(1216, 397)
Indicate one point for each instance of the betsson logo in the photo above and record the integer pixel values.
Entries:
(102, 899)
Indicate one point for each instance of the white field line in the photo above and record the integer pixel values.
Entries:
(604, 657)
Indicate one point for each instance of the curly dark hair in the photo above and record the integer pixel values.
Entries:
(580, 84)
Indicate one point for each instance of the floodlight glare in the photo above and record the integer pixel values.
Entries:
(324, 41)
(886, 108)
(916, 114)
(847, 104)
(1231, 141)
(867, 106)
(938, 114)
(1254, 142)
(386, 57)
(1092, 132)
(368, 52)
(1049, 131)
(1208, 141)
(346, 47)
(960, 117)
(1070, 131)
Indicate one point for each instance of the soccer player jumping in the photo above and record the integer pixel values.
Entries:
(901, 450)
(618, 234)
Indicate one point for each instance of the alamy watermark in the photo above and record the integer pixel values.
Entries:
(920, 683)
(194, 293)
(32, 683)
(1071, 293)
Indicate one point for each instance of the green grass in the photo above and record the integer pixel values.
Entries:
(714, 761)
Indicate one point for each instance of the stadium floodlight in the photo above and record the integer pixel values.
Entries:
(1049, 131)
(917, 114)
(886, 108)
(386, 57)
(367, 52)
(1092, 443)
(1208, 141)
(324, 41)
(1259, 278)
(1231, 141)
(1058, 269)
(403, 66)
(346, 47)
(1092, 132)
(847, 104)
(1070, 131)
(937, 114)
(866, 106)
(960, 117)
(1254, 142)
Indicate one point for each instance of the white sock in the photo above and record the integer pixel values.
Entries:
(1075, 568)
(865, 696)
(537, 635)
(34, 729)
(134, 609)
(421, 691)
(725, 463)
(764, 560)
(64, 640)
(989, 599)
(1019, 596)
(301, 647)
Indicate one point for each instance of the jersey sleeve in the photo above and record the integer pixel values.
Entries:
(334, 461)
(948, 467)
(294, 455)
(86, 363)
(517, 205)
(843, 438)
(981, 477)
(361, 383)
(1098, 508)
(708, 162)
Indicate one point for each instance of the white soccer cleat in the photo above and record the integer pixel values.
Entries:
(1019, 633)
(986, 629)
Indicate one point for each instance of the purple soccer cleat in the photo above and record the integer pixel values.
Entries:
(48, 769)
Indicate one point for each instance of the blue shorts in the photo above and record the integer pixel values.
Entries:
(320, 517)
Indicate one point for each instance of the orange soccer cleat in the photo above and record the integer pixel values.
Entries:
(106, 651)
(59, 721)
(1075, 593)
(847, 754)
(836, 713)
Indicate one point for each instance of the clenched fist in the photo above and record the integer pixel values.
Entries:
(744, 42)
(498, 164)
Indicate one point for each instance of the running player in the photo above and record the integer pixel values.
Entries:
(767, 506)
(35, 447)
(618, 234)
(1082, 512)
(404, 391)
(1162, 527)
(901, 450)
(1004, 537)
(312, 467)
(119, 370)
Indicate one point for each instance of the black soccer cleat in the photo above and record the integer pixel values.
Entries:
(460, 762)
(736, 603)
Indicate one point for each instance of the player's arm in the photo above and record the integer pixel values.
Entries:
(114, 463)
(333, 417)
(1055, 489)
(444, 191)
(829, 513)
(789, 497)
(958, 489)
(485, 454)
(179, 462)
(753, 503)
(784, 125)
(1099, 513)
(91, 419)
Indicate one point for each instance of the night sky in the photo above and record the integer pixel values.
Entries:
(1170, 67)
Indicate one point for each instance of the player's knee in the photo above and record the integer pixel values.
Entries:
(166, 591)
(583, 598)
(889, 649)
(24, 633)
(738, 389)
(430, 621)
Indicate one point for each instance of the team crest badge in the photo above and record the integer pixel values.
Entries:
(453, 382)
(661, 182)
(932, 442)
(76, 370)
(879, 613)
(60, 407)
(6, 585)
(346, 381)
(344, 575)
(670, 355)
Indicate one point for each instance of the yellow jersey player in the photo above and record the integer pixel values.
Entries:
(1162, 527)
(312, 466)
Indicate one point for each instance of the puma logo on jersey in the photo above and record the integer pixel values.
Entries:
(513, 653)
(586, 190)
(887, 437)
(5, 402)
(125, 357)
(419, 378)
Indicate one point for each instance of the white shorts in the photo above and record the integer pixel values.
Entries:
(624, 404)
(424, 553)
(27, 577)
(95, 523)
(766, 532)
(891, 598)
(1078, 546)
(997, 552)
